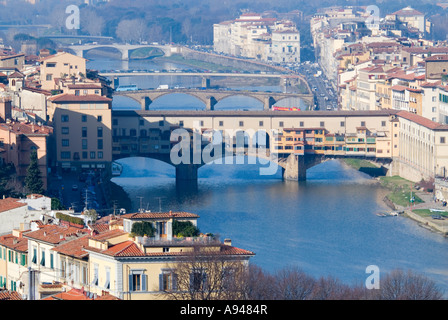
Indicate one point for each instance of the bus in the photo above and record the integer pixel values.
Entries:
(285, 108)
(129, 87)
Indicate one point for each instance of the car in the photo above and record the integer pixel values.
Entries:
(75, 187)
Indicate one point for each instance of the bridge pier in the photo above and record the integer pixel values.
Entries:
(205, 82)
(124, 54)
(187, 172)
(295, 169)
(145, 102)
(210, 103)
(268, 103)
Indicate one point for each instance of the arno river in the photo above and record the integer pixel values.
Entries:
(326, 226)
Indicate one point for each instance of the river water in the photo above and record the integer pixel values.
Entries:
(326, 225)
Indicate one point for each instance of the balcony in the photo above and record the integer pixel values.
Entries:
(184, 241)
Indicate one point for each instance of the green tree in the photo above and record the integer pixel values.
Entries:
(56, 204)
(185, 229)
(33, 179)
(143, 228)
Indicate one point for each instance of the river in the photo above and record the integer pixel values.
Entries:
(326, 225)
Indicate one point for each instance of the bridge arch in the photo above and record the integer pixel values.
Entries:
(253, 102)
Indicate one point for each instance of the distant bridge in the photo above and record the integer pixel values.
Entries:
(211, 97)
(125, 49)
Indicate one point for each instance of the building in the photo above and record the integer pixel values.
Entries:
(19, 140)
(61, 65)
(436, 67)
(82, 131)
(256, 36)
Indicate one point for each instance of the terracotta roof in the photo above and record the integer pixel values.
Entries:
(10, 203)
(422, 120)
(74, 248)
(14, 243)
(84, 86)
(159, 215)
(10, 295)
(439, 57)
(26, 128)
(408, 11)
(56, 234)
(73, 98)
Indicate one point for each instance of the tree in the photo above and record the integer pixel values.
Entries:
(33, 179)
(400, 285)
(143, 228)
(185, 229)
(206, 273)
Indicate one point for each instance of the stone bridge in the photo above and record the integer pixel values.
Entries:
(211, 97)
(125, 49)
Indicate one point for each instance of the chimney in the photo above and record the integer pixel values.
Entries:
(228, 242)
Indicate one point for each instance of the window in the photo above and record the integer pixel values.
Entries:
(65, 155)
(342, 124)
(65, 142)
(99, 132)
(383, 123)
(167, 281)
(84, 154)
(322, 124)
(260, 123)
(115, 122)
(442, 139)
(181, 123)
(42, 259)
(107, 283)
(51, 64)
(64, 130)
(133, 132)
(137, 281)
(241, 123)
(280, 124)
(76, 92)
(301, 123)
(64, 118)
(84, 118)
(221, 123)
(84, 144)
(92, 154)
(100, 144)
(99, 118)
(100, 154)
(84, 132)
(161, 123)
(95, 275)
(198, 279)
(51, 261)
(34, 260)
(49, 77)
(363, 123)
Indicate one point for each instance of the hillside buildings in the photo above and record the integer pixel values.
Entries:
(254, 36)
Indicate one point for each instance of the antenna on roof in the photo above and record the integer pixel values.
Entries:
(140, 209)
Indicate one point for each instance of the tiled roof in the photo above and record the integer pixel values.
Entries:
(10, 203)
(26, 128)
(159, 215)
(422, 121)
(73, 98)
(74, 248)
(56, 234)
(14, 243)
(439, 57)
(10, 295)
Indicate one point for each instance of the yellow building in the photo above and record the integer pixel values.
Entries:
(61, 65)
(142, 268)
(82, 130)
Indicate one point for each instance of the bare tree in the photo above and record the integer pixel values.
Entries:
(400, 285)
(132, 30)
(291, 283)
(258, 285)
(92, 23)
(205, 273)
